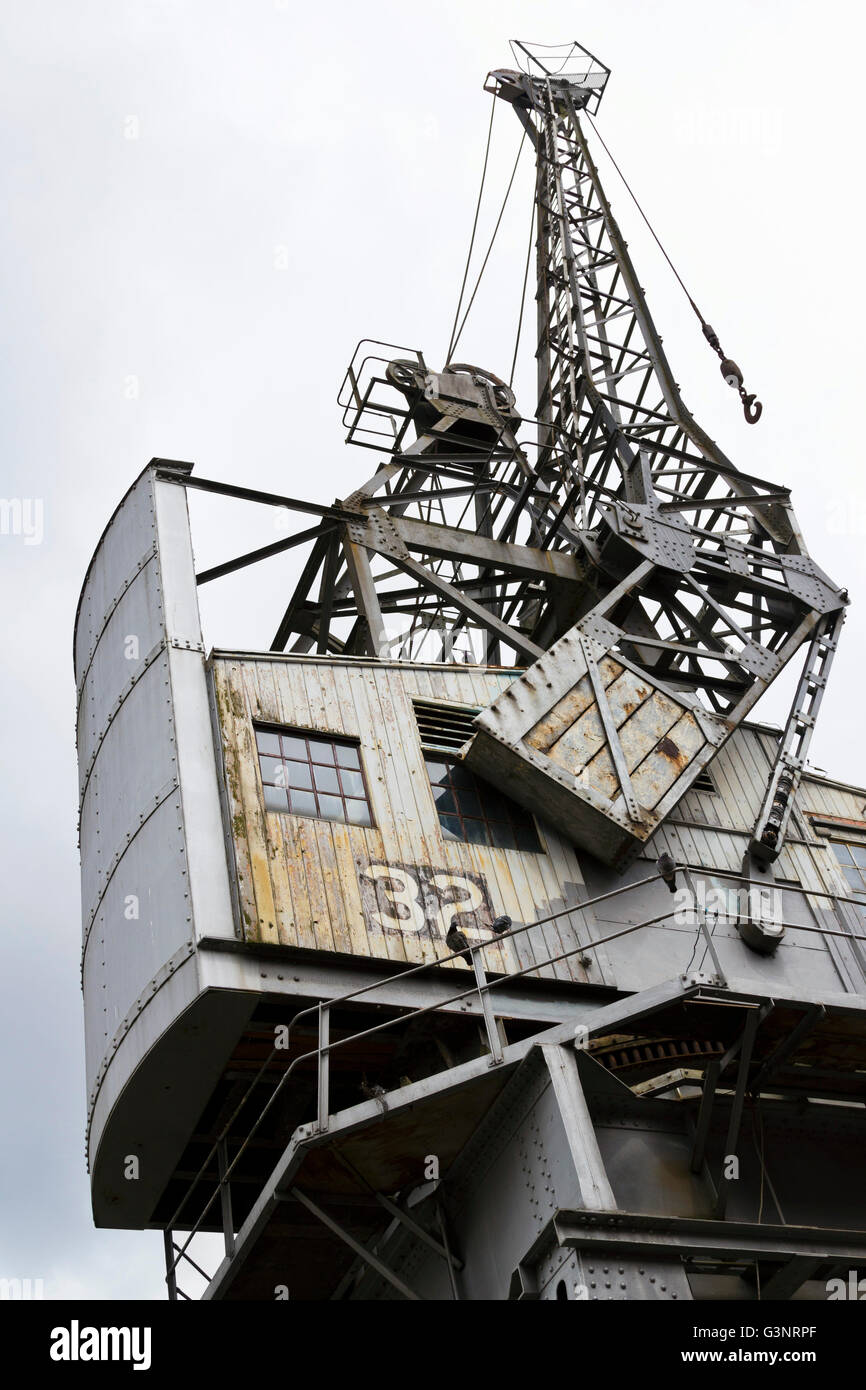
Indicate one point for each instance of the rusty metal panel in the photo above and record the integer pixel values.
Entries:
(595, 743)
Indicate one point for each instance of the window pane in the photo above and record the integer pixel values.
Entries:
(436, 771)
(294, 747)
(461, 779)
(842, 854)
(451, 827)
(304, 804)
(501, 835)
(299, 775)
(358, 813)
(276, 800)
(272, 771)
(475, 832)
(527, 839)
(326, 779)
(353, 783)
(854, 879)
(444, 800)
(859, 855)
(468, 804)
(496, 806)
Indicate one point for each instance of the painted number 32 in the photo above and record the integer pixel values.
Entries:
(418, 898)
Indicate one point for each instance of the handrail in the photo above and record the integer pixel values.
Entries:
(479, 988)
(476, 989)
(403, 975)
(781, 887)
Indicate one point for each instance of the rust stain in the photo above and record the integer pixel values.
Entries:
(669, 748)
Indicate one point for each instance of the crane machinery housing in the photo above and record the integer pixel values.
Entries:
(472, 942)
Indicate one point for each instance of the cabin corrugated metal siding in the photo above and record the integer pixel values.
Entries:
(713, 830)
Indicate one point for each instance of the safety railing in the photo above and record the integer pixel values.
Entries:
(481, 989)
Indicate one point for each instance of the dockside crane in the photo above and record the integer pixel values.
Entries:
(345, 1000)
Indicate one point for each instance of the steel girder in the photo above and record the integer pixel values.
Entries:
(613, 520)
(619, 473)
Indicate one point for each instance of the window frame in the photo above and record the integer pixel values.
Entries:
(849, 833)
(317, 736)
(837, 838)
(435, 755)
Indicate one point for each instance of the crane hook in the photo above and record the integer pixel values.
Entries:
(752, 408)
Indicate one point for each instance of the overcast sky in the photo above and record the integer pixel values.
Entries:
(206, 204)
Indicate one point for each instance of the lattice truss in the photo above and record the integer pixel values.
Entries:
(482, 537)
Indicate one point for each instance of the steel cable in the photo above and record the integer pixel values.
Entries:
(452, 340)
(453, 347)
(730, 371)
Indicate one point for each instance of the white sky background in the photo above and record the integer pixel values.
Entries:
(346, 141)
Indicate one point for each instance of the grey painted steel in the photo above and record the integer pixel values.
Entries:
(324, 1065)
(810, 1018)
(652, 1234)
(753, 1018)
(494, 1040)
(535, 1129)
(702, 923)
(506, 1186)
(567, 1162)
(595, 1189)
(536, 1076)
(778, 804)
(170, 1272)
(366, 1255)
(154, 869)
(151, 1013)
(649, 505)
(266, 971)
(226, 1199)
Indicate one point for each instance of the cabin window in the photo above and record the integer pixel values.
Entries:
(852, 861)
(307, 774)
(470, 810)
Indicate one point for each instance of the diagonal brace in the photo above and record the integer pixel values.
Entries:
(610, 731)
(382, 1269)
(788, 1045)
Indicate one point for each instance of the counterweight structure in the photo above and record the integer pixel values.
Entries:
(382, 977)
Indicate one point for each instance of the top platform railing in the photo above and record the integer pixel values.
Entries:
(565, 62)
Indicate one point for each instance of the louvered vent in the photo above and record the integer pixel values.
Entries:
(444, 727)
(703, 783)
